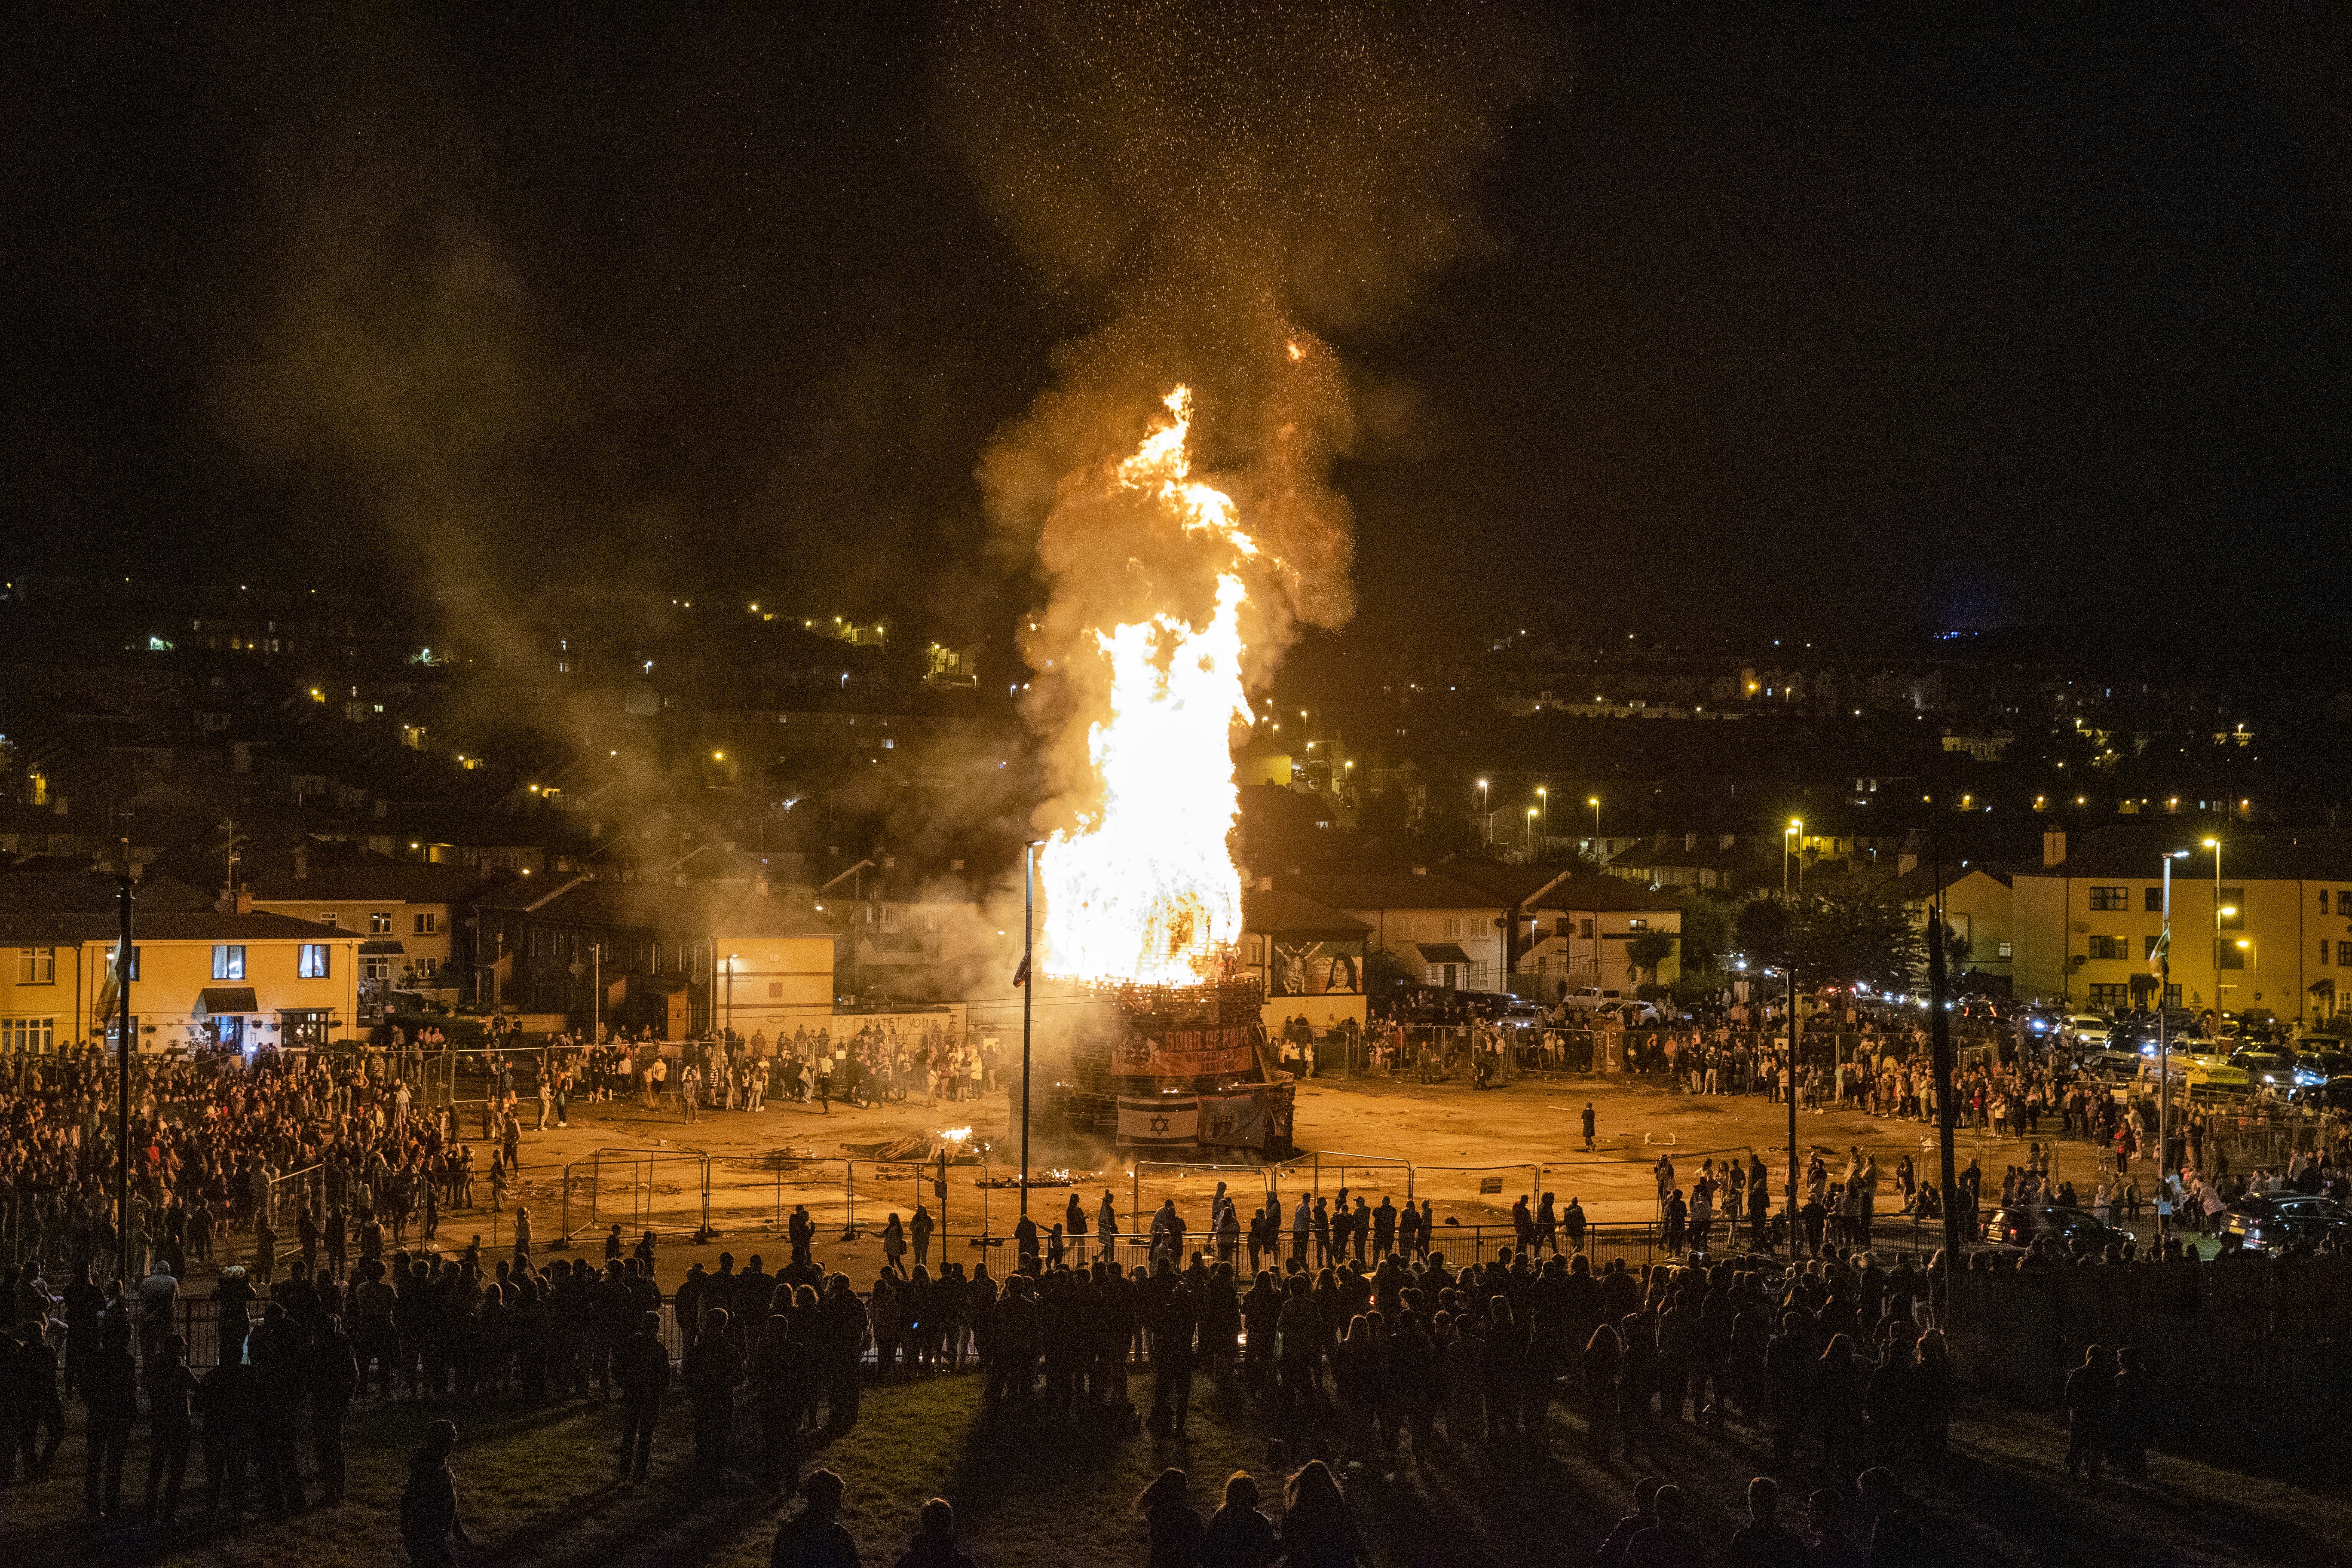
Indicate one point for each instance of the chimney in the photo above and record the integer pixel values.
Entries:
(301, 861)
(2053, 847)
(244, 898)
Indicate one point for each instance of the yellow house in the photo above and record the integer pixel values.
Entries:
(226, 981)
(405, 911)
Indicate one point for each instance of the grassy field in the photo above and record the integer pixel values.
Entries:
(537, 1487)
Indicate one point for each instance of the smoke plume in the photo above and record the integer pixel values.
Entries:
(1217, 193)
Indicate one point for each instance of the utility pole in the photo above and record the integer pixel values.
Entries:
(124, 872)
(1939, 1038)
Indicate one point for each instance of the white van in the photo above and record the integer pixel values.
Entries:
(1592, 999)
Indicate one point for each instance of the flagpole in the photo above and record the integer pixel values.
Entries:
(1028, 989)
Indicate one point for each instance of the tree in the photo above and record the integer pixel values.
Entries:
(1648, 951)
(1708, 928)
(1857, 932)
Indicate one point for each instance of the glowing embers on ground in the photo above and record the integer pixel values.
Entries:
(1145, 890)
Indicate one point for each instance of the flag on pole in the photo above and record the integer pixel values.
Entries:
(2158, 963)
(110, 991)
(1021, 975)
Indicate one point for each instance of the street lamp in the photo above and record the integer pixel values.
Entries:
(1486, 817)
(1795, 829)
(1543, 798)
(2215, 845)
(1594, 802)
(1531, 833)
(2163, 969)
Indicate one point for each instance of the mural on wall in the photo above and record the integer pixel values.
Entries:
(1315, 969)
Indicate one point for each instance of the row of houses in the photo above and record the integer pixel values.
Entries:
(2259, 921)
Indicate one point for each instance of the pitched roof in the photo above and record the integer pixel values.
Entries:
(2135, 853)
(1922, 882)
(1275, 912)
(1594, 892)
(698, 908)
(1391, 890)
(369, 879)
(32, 928)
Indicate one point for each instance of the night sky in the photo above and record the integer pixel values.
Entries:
(1976, 316)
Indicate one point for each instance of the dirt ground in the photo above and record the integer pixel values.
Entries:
(1363, 1133)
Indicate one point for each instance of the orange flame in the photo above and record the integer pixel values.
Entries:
(1145, 890)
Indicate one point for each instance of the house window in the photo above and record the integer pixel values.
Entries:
(2147, 946)
(1636, 923)
(2344, 900)
(329, 918)
(1587, 930)
(379, 924)
(2233, 956)
(2115, 996)
(2234, 909)
(228, 963)
(2152, 900)
(376, 968)
(1449, 929)
(2110, 947)
(37, 966)
(2110, 899)
(2008, 950)
(427, 922)
(312, 961)
(428, 967)
(2344, 954)
(23, 1037)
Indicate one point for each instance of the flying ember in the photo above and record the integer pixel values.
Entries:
(1145, 890)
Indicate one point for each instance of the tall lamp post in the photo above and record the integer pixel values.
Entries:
(1531, 833)
(1486, 817)
(1594, 802)
(1794, 832)
(1791, 1097)
(2215, 845)
(1543, 798)
(2163, 971)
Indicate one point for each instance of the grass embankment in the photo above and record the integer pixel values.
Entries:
(538, 1488)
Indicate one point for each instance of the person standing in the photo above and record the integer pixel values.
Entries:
(333, 1374)
(782, 1373)
(641, 1368)
(171, 1427)
(110, 1389)
(2090, 1398)
(921, 1230)
(712, 1369)
(430, 1525)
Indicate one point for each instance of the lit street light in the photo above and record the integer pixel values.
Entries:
(1594, 802)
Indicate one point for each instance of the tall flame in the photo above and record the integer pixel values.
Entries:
(1145, 889)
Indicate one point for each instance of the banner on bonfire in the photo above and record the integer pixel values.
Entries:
(1236, 1121)
(1150, 1122)
(1188, 1050)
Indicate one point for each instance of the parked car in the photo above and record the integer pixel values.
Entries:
(2089, 1029)
(2016, 1229)
(1592, 999)
(2276, 1222)
(2274, 1070)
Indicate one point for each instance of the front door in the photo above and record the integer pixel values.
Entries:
(228, 1032)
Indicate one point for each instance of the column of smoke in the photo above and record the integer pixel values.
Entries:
(1211, 189)
(386, 357)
